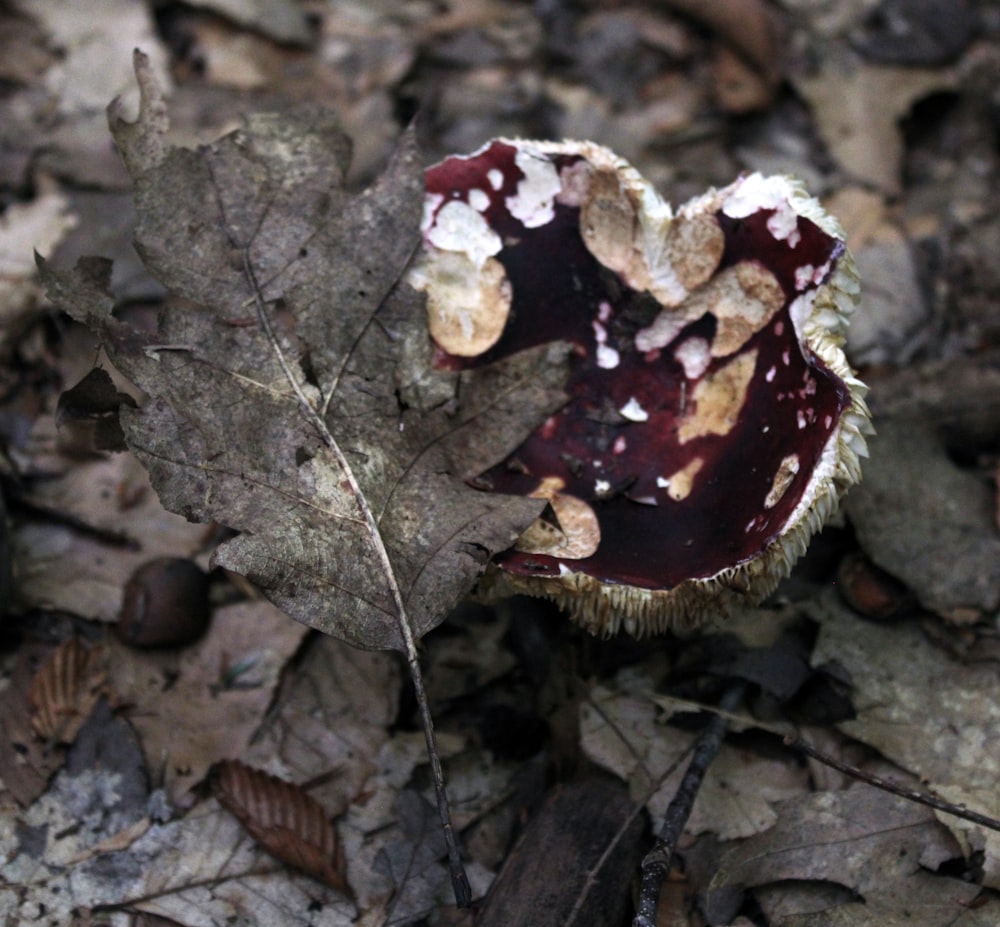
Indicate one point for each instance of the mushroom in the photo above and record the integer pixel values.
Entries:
(713, 421)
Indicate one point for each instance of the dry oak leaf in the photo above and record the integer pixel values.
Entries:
(291, 390)
(284, 819)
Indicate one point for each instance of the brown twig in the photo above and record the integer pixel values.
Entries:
(459, 879)
(58, 516)
(803, 746)
(613, 843)
(656, 865)
(921, 798)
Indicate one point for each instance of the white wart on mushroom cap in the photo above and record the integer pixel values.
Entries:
(713, 422)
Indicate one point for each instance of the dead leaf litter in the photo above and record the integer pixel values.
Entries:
(277, 206)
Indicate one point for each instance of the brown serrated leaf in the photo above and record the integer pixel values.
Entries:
(320, 431)
(284, 819)
(65, 690)
(26, 763)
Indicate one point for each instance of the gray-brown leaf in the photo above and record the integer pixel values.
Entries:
(262, 215)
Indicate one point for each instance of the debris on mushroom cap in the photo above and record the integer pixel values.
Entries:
(713, 422)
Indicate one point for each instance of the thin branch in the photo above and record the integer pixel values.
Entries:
(605, 856)
(459, 879)
(914, 795)
(796, 742)
(656, 865)
(50, 513)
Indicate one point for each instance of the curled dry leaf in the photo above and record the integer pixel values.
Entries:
(284, 819)
(65, 689)
(292, 395)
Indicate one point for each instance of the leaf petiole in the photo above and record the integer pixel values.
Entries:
(459, 879)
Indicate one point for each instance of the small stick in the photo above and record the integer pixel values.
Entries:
(656, 865)
(459, 879)
(105, 535)
(921, 798)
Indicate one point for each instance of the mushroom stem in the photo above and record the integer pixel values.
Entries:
(656, 865)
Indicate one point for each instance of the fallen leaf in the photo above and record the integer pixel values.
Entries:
(26, 763)
(928, 32)
(42, 224)
(588, 826)
(65, 690)
(857, 108)
(372, 822)
(321, 433)
(63, 566)
(896, 323)
(960, 395)
(914, 505)
(333, 713)
(284, 819)
(874, 845)
(24, 56)
(281, 20)
(749, 27)
(61, 116)
(197, 705)
(198, 870)
(413, 862)
(89, 410)
(55, 853)
(623, 733)
(924, 711)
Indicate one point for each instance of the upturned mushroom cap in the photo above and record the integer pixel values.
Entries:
(713, 421)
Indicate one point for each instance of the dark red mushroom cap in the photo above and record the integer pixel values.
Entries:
(714, 422)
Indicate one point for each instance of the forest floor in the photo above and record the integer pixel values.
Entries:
(561, 751)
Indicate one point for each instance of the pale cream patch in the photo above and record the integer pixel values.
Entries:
(577, 534)
(479, 200)
(716, 401)
(804, 276)
(633, 411)
(667, 325)
(460, 228)
(609, 225)
(694, 246)
(679, 485)
(534, 202)
(747, 298)
(467, 307)
(787, 469)
(756, 192)
(694, 355)
(743, 299)
(607, 356)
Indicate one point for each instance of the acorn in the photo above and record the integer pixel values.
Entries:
(870, 590)
(165, 604)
